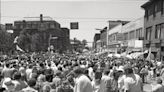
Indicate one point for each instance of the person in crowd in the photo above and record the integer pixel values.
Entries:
(82, 83)
(105, 85)
(19, 83)
(97, 81)
(159, 87)
(31, 86)
(132, 82)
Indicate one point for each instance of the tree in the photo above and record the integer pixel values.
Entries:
(6, 41)
(24, 40)
(84, 42)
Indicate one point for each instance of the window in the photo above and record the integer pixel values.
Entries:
(162, 31)
(162, 7)
(157, 31)
(139, 33)
(52, 25)
(146, 14)
(132, 35)
(29, 25)
(126, 36)
(34, 25)
(148, 33)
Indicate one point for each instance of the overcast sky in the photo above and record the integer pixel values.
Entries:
(90, 14)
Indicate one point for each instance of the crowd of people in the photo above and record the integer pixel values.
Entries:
(46, 72)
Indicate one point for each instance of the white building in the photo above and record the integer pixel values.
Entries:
(133, 35)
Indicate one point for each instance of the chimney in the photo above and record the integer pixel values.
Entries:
(41, 17)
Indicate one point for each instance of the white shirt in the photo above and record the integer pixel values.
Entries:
(133, 83)
(83, 84)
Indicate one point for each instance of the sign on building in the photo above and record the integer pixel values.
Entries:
(74, 25)
(120, 37)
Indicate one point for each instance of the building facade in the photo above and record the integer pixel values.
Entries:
(42, 33)
(113, 42)
(133, 34)
(96, 38)
(154, 27)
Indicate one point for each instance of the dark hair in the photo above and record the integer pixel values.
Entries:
(98, 75)
(32, 82)
(106, 71)
(7, 65)
(128, 71)
(17, 76)
(49, 77)
(78, 71)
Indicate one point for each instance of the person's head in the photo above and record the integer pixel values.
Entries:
(106, 72)
(31, 82)
(98, 75)
(159, 80)
(17, 76)
(7, 65)
(128, 70)
(49, 77)
(78, 71)
(46, 88)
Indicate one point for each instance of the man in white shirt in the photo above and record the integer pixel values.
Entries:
(132, 82)
(82, 83)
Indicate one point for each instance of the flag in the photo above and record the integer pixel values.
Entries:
(19, 49)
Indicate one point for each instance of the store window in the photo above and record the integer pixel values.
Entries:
(157, 31)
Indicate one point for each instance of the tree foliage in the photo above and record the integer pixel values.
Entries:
(6, 41)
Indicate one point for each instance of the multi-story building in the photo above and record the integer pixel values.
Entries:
(44, 30)
(65, 39)
(113, 42)
(96, 38)
(133, 35)
(104, 32)
(154, 27)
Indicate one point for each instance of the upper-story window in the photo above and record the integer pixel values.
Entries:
(162, 7)
(148, 33)
(157, 31)
(17, 26)
(126, 36)
(162, 31)
(132, 35)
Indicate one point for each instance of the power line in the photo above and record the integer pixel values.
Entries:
(67, 18)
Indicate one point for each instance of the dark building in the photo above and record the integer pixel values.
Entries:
(154, 27)
(66, 39)
(43, 32)
(96, 38)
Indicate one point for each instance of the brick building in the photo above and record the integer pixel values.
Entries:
(44, 29)
(154, 27)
